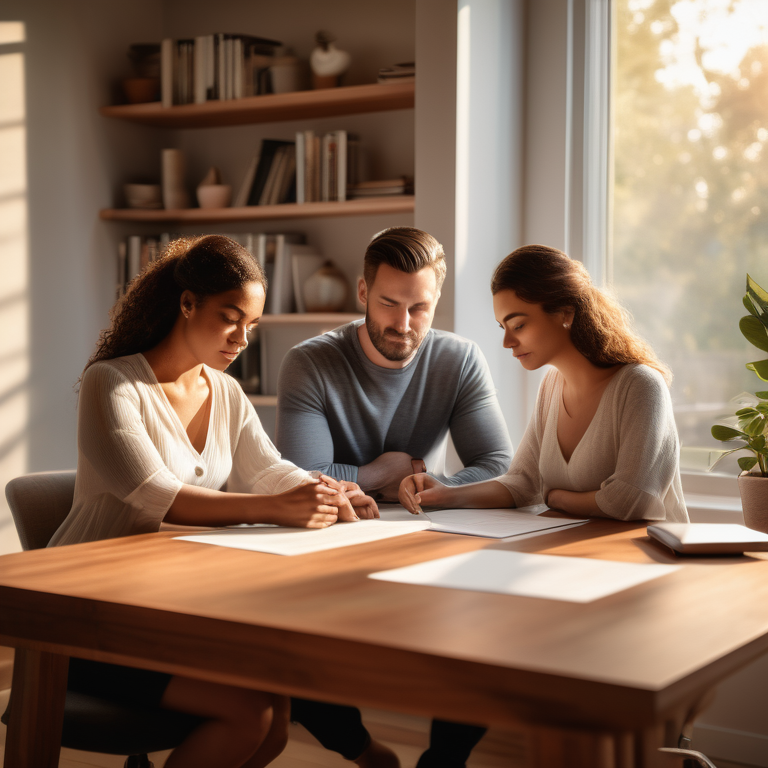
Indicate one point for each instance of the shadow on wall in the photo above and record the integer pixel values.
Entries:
(14, 302)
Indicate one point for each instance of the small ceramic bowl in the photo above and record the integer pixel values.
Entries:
(143, 195)
(214, 195)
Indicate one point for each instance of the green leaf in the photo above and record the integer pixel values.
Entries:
(747, 462)
(754, 332)
(762, 395)
(755, 427)
(747, 412)
(760, 367)
(721, 432)
(759, 296)
(750, 307)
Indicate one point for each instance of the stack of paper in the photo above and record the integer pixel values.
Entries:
(497, 523)
(575, 579)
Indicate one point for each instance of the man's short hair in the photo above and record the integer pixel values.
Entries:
(405, 248)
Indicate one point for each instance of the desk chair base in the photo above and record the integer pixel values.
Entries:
(691, 758)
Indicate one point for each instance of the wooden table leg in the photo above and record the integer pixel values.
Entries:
(37, 710)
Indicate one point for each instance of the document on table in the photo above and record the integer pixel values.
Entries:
(301, 541)
(497, 523)
(573, 579)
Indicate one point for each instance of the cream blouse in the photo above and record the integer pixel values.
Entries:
(629, 453)
(134, 454)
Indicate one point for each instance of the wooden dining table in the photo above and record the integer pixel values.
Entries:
(626, 668)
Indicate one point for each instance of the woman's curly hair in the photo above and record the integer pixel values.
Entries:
(204, 265)
(601, 328)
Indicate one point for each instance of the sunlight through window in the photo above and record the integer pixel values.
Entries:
(14, 300)
(690, 96)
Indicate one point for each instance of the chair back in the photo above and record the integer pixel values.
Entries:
(39, 503)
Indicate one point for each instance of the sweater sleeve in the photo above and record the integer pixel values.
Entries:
(113, 439)
(647, 451)
(256, 464)
(523, 479)
(477, 425)
(302, 433)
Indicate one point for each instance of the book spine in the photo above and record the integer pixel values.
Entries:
(341, 165)
(121, 269)
(166, 72)
(288, 178)
(274, 169)
(300, 168)
(134, 257)
(245, 188)
(238, 65)
(325, 168)
(221, 68)
(228, 63)
(201, 70)
(316, 168)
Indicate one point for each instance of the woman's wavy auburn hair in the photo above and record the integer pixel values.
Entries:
(601, 328)
(204, 265)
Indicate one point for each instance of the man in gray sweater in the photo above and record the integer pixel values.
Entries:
(373, 402)
(363, 402)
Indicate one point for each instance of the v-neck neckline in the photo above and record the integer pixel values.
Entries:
(175, 416)
(560, 404)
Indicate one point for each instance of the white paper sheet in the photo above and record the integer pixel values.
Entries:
(574, 579)
(496, 523)
(301, 541)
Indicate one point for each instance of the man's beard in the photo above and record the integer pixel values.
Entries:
(390, 344)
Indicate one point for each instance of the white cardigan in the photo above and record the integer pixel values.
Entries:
(629, 453)
(134, 455)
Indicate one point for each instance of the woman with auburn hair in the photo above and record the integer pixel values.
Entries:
(161, 431)
(602, 440)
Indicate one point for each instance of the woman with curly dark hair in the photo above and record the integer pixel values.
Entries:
(602, 440)
(161, 431)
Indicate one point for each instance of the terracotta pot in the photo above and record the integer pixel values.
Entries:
(754, 501)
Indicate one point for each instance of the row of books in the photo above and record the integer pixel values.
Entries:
(215, 67)
(381, 188)
(314, 168)
(398, 73)
(285, 257)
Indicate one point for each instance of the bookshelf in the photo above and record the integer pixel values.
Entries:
(279, 332)
(278, 107)
(361, 207)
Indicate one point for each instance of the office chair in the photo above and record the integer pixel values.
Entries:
(39, 503)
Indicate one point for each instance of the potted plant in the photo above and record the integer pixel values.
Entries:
(750, 425)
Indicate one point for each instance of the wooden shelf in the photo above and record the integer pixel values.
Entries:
(278, 107)
(263, 400)
(361, 207)
(297, 318)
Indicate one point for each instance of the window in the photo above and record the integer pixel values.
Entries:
(688, 211)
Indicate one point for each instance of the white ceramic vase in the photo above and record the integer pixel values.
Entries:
(326, 290)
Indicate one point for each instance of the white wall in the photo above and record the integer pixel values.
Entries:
(73, 52)
(489, 179)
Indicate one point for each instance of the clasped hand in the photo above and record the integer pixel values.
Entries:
(322, 502)
(422, 489)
